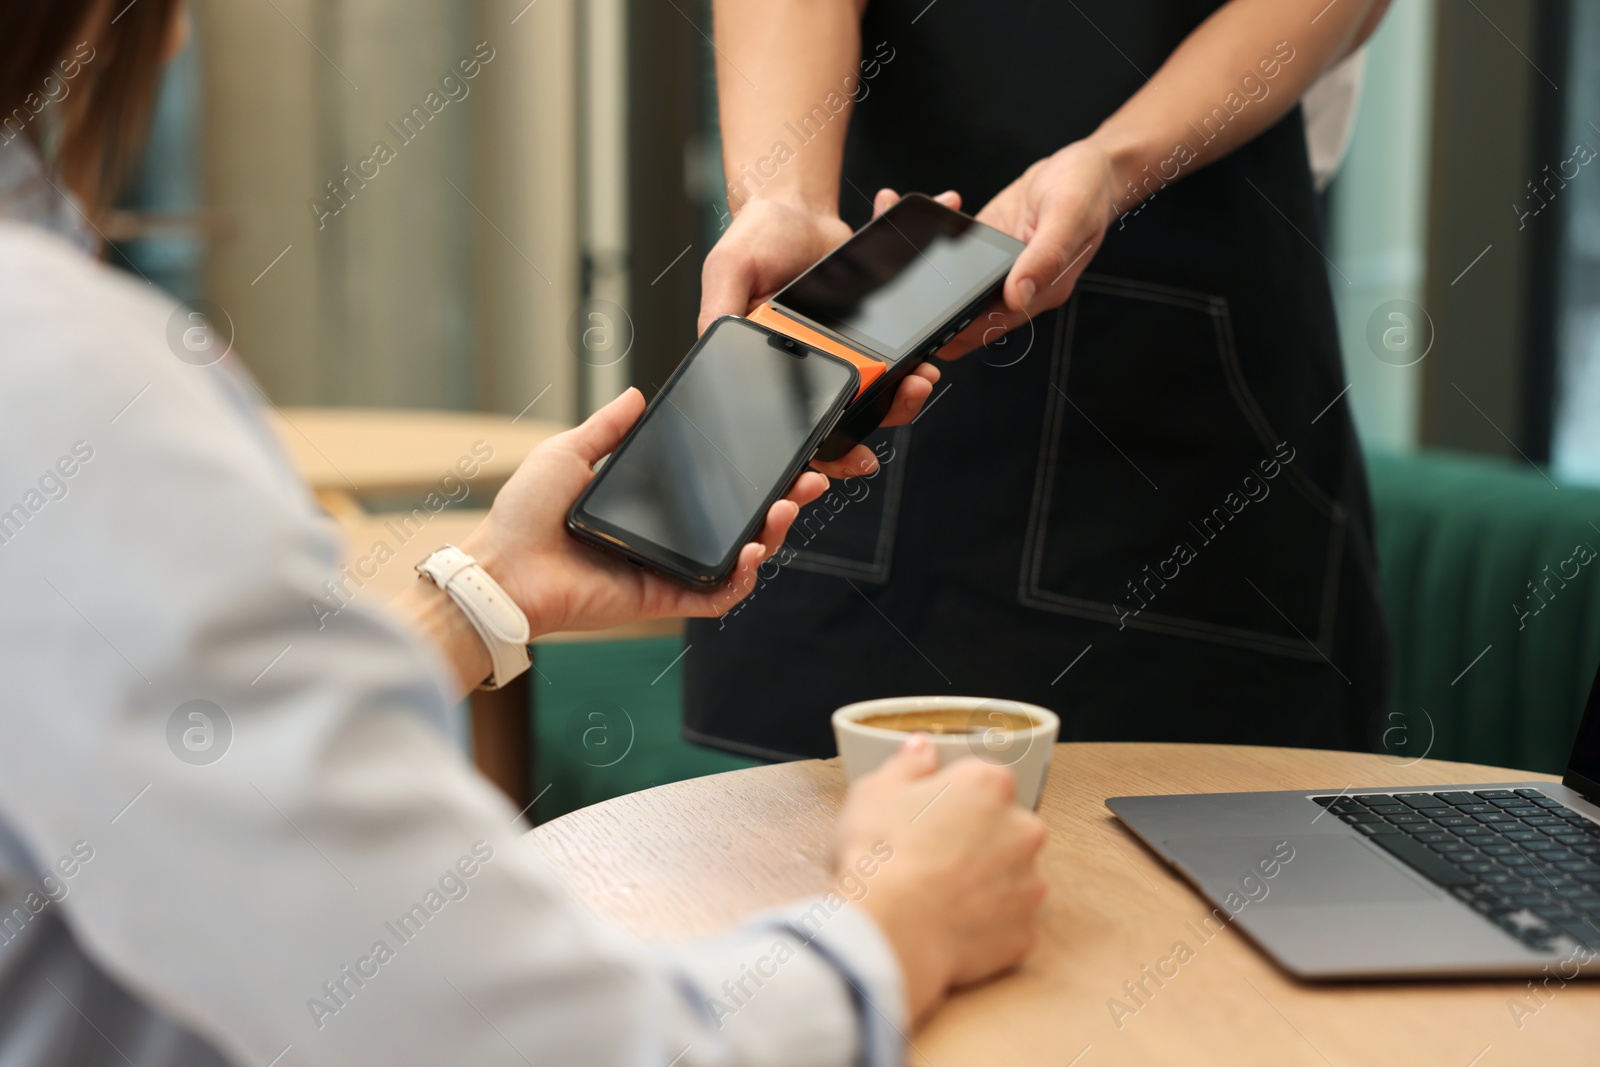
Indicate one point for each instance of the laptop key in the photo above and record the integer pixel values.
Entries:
(1455, 820)
(1577, 928)
(1418, 856)
(1456, 798)
(1508, 802)
(1475, 809)
(1543, 820)
(1417, 800)
(1372, 828)
(1532, 794)
(1437, 837)
(1363, 816)
(1493, 794)
(1389, 809)
(1524, 836)
(1523, 922)
(1482, 898)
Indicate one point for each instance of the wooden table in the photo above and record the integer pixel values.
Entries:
(692, 857)
(370, 467)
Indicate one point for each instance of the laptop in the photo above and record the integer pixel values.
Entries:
(1465, 880)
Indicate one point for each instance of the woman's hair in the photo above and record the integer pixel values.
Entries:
(82, 93)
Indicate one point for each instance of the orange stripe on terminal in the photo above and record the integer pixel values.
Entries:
(871, 369)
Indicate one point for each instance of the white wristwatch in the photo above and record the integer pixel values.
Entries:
(501, 624)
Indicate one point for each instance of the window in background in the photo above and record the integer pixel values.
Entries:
(1378, 229)
(1575, 440)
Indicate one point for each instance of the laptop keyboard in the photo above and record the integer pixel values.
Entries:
(1526, 862)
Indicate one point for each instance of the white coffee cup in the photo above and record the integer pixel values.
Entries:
(986, 735)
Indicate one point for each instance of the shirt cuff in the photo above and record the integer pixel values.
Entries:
(811, 983)
(852, 942)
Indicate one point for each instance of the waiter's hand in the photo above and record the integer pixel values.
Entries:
(770, 243)
(1061, 207)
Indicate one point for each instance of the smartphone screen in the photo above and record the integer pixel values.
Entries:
(718, 444)
(907, 272)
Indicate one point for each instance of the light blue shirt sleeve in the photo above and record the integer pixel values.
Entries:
(308, 869)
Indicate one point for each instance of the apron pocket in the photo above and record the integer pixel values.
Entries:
(1163, 498)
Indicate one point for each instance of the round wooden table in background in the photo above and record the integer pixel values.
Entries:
(696, 856)
(389, 450)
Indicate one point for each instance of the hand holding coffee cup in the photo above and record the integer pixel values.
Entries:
(1006, 733)
(957, 887)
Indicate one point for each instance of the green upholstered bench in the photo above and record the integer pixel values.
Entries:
(1459, 541)
(607, 722)
(1483, 558)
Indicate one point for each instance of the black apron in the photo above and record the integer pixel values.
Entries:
(1143, 512)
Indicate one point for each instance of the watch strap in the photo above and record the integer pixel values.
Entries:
(498, 620)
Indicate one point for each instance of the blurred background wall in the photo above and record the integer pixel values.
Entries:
(381, 227)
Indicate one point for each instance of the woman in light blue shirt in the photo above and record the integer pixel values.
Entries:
(341, 887)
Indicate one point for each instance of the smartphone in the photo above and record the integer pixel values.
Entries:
(889, 297)
(724, 438)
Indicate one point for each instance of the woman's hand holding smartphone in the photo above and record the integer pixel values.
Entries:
(563, 585)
